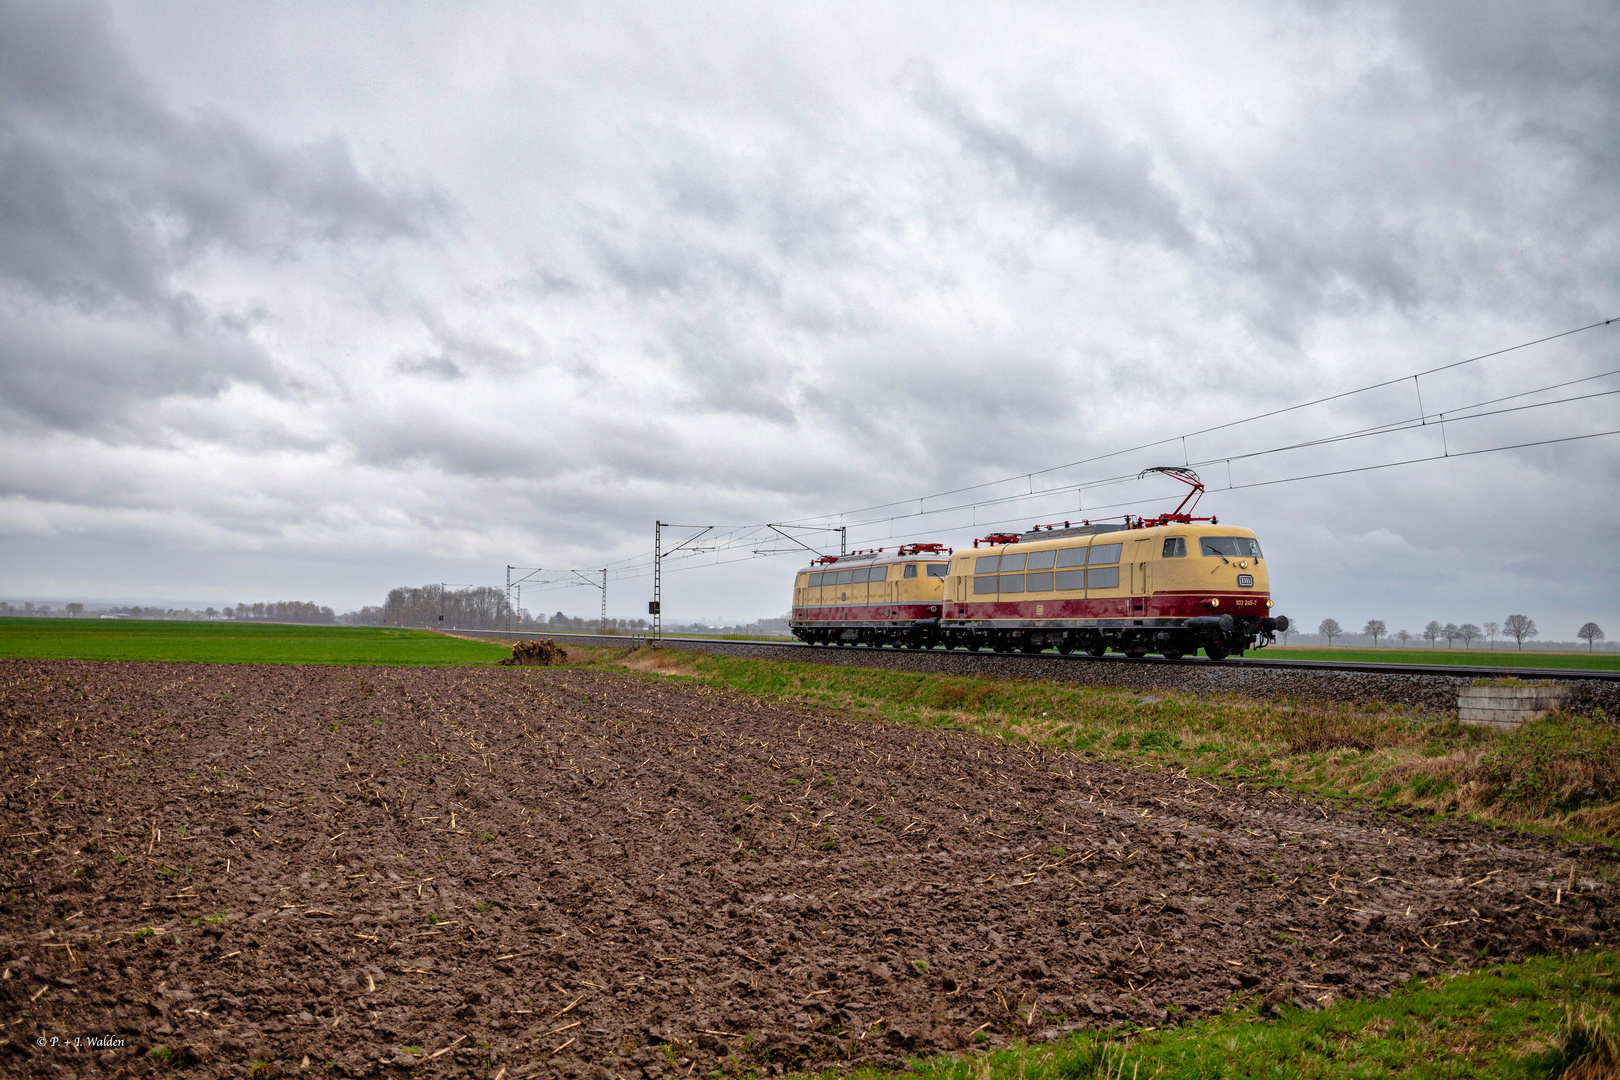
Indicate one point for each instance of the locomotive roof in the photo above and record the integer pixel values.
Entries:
(1116, 533)
(877, 558)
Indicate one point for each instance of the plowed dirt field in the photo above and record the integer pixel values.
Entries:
(580, 873)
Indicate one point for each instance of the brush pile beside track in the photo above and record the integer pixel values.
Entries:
(536, 654)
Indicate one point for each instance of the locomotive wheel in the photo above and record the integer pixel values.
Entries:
(1172, 654)
(1135, 653)
(1065, 649)
(1030, 648)
(974, 646)
(1215, 652)
(1096, 649)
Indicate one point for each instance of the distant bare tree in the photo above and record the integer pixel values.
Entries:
(1330, 629)
(1374, 629)
(1293, 628)
(1591, 633)
(483, 608)
(1468, 632)
(76, 609)
(1519, 627)
(1403, 636)
(1491, 630)
(1451, 632)
(292, 611)
(1433, 630)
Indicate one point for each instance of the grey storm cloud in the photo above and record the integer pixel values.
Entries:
(106, 193)
(1095, 177)
(414, 290)
(60, 371)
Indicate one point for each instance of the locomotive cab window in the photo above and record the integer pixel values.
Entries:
(938, 569)
(1231, 547)
(1175, 547)
(911, 570)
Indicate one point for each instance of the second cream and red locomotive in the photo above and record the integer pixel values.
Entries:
(1169, 585)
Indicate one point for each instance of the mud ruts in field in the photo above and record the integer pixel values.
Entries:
(574, 873)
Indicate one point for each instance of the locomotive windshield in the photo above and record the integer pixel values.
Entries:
(938, 569)
(1233, 547)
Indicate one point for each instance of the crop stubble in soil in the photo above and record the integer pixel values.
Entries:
(552, 871)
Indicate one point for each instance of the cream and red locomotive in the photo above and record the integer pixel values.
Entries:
(1171, 585)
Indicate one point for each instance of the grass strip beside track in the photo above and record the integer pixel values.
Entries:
(1526, 1020)
(1560, 773)
(237, 643)
(1590, 661)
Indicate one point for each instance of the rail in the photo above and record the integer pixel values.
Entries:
(1232, 663)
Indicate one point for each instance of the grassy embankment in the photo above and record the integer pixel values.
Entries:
(1597, 661)
(237, 643)
(1559, 773)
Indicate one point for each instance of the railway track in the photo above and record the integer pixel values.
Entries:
(802, 653)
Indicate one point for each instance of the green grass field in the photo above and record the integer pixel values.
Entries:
(1535, 1020)
(237, 643)
(1600, 661)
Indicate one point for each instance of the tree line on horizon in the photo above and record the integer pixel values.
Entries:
(1520, 628)
(486, 607)
(287, 611)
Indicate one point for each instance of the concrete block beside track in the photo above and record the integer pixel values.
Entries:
(1509, 706)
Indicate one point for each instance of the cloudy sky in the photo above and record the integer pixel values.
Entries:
(308, 301)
